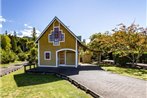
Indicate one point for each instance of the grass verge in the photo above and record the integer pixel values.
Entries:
(132, 72)
(21, 85)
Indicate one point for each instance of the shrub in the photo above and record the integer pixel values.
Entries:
(12, 56)
(7, 56)
(143, 58)
(22, 56)
(18, 50)
(120, 60)
(4, 57)
(32, 56)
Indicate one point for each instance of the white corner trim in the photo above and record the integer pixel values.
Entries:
(38, 54)
(56, 58)
(76, 56)
(65, 57)
(45, 55)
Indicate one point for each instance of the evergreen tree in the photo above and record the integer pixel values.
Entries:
(15, 35)
(14, 44)
(34, 34)
(6, 32)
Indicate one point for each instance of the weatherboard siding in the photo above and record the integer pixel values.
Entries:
(45, 45)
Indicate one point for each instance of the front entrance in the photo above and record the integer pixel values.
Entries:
(66, 57)
(62, 58)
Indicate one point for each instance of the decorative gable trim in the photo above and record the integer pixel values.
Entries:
(60, 22)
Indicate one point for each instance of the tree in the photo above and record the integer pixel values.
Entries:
(30, 45)
(130, 41)
(32, 57)
(18, 50)
(23, 42)
(5, 42)
(34, 34)
(15, 35)
(6, 32)
(101, 42)
(13, 43)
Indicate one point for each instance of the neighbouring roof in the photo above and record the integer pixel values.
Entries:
(56, 18)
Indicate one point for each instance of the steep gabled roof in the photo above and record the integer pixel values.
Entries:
(56, 18)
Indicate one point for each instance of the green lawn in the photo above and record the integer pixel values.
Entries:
(21, 85)
(9, 64)
(136, 73)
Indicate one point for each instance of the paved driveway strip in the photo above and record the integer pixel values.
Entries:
(111, 85)
(13, 67)
(103, 83)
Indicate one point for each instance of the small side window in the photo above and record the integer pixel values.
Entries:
(47, 55)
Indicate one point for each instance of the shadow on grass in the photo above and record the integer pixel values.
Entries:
(25, 79)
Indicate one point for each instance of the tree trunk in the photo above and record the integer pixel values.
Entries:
(133, 63)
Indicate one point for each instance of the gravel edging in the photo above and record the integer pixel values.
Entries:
(11, 69)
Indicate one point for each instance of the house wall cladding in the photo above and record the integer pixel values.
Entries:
(45, 45)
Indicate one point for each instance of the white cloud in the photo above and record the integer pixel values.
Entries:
(1, 21)
(27, 31)
(27, 26)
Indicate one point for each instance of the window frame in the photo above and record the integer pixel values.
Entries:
(45, 55)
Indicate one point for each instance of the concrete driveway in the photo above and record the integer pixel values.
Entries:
(109, 85)
(103, 83)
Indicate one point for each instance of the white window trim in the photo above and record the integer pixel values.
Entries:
(45, 55)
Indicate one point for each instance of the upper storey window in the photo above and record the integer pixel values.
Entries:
(56, 36)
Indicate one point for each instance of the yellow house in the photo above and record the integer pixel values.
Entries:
(58, 46)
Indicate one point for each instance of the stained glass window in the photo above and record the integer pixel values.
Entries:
(56, 36)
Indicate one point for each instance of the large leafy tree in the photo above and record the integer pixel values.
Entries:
(130, 41)
(5, 42)
(101, 42)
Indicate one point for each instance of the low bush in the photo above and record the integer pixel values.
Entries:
(143, 58)
(7, 56)
(4, 57)
(32, 56)
(22, 56)
(120, 60)
(12, 56)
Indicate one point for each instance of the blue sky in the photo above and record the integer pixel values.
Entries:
(83, 17)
